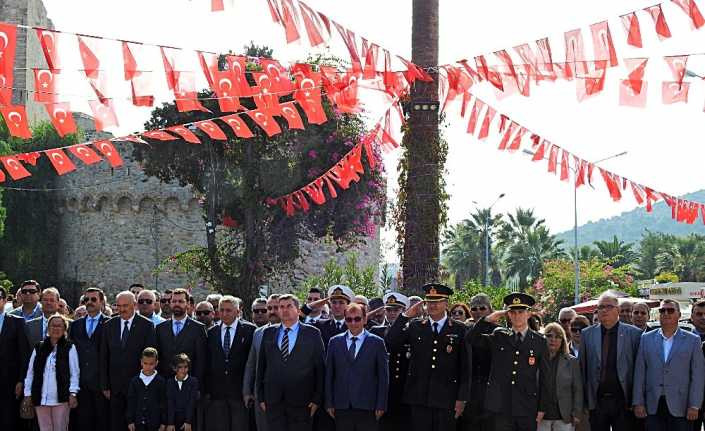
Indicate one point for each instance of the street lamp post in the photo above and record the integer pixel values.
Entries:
(486, 275)
(576, 252)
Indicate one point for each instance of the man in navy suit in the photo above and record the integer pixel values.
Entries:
(357, 377)
(14, 352)
(290, 370)
(85, 333)
(669, 374)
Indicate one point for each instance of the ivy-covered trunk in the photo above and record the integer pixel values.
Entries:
(422, 184)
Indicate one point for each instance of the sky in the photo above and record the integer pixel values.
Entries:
(663, 142)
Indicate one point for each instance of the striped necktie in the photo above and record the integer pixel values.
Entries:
(285, 345)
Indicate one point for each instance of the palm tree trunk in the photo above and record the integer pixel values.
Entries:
(420, 257)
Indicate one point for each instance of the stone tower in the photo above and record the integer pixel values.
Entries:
(118, 225)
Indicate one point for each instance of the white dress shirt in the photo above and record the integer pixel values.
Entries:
(358, 343)
(50, 396)
(667, 343)
(129, 324)
(180, 382)
(440, 322)
(147, 379)
(173, 324)
(233, 329)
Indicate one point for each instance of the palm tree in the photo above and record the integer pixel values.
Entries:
(651, 245)
(684, 256)
(524, 258)
(462, 252)
(617, 253)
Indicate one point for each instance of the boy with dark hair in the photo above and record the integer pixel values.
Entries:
(146, 396)
(182, 394)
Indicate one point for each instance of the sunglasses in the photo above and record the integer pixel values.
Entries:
(355, 319)
(88, 299)
(145, 301)
(260, 311)
(458, 312)
(576, 329)
(480, 308)
(203, 312)
(666, 310)
(29, 291)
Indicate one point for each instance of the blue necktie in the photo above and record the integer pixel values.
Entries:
(351, 350)
(285, 345)
(178, 325)
(91, 326)
(226, 342)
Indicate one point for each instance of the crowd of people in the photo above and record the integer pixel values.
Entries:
(339, 361)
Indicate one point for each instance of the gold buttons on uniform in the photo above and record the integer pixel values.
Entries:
(512, 381)
(516, 363)
(433, 358)
(514, 372)
(435, 341)
(433, 366)
(517, 353)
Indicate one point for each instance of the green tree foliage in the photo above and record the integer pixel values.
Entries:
(473, 287)
(616, 252)
(360, 279)
(685, 257)
(29, 246)
(235, 178)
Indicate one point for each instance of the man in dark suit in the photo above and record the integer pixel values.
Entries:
(397, 415)
(516, 393)
(36, 329)
(437, 385)
(357, 375)
(181, 334)
(607, 355)
(14, 351)
(290, 370)
(476, 417)
(228, 348)
(123, 339)
(85, 333)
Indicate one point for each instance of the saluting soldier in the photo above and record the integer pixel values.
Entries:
(516, 392)
(437, 382)
(396, 418)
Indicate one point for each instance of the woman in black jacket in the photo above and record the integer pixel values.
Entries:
(52, 378)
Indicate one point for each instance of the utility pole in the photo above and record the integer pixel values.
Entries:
(421, 250)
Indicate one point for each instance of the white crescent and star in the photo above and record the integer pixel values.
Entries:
(58, 158)
(13, 114)
(56, 113)
(6, 41)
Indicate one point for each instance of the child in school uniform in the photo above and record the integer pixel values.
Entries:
(182, 393)
(146, 396)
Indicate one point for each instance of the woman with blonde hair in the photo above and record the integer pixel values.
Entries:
(565, 403)
(52, 378)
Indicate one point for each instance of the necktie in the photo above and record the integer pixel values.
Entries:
(91, 326)
(125, 334)
(226, 342)
(285, 345)
(338, 325)
(177, 327)
(517, 337)
(435, 328)
(351, 350)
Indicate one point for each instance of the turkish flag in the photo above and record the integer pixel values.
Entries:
(226, 88)
(288, 21)
(130, 64)
(565, 165)
(14, 167)
(540, 151)
(677, 64)
(208, 66)
(172, 76)
(603, 46)
(662, 29)
(476, 108)
(60, 161)
(159, 135)
(103, 114)
(238, 125)
(489, 116)
(628, 97)
(8, 41)
(280, 80)
(85, 154)
(30, 158)
(110, 153)
(185, 93)
(217, 6)
(312, 25)
(691, 9)
(309, 99)
(140, 90)
(631, 26)
(49, 40)
(185, 133)
(45, 85)
(265, 121)
(61, 118)
(265, 98)
(673, 92)
(16, 120)
(553, 159)
(91, 64)
(505, 139)
(291, 114)
(212, 130)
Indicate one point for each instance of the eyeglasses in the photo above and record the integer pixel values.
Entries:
(355, 319)
(576, 329)
(606, 307)
(29, 291)
(145, 301)
(565, 321)
(640, 313)
(203, 312)
(480, 308)
(666, 310)
(457, 312)
(260, 311)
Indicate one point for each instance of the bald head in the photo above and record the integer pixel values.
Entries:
(125, 302)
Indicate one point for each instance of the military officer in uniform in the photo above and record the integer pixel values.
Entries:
(437, 382)
(396, 418)
(515, 389)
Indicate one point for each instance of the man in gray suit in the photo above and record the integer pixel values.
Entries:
(248, 380)
(607, 354)
(36, 329)
(669, 375)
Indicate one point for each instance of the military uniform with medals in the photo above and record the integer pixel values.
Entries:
(438, 373)
(515, 388)
(396, 418)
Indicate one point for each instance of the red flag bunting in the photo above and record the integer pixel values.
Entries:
(540, 151)
(30, 158)
(611, 181)
(238, 125)
(580, 171)
(49, 41)
(61, 118)
(217, 6)
(265, 121)
(61, 162)
(485, 130)
(565, 165)
(91, 64)
(16, 121)
(288, 21)
(45, 85)
(130, 64)
(172, 76)
(574, 54)
(476, 107)
(159, 135)
(638, 193)
(631, 26)
(602, 43)
(350, 41)
(85, 154)
(553, 159)
(108, 150)
(691, 9)
(505, 139)
(14, 167)
(662, 29)
(212, 130)
(516, 142)
(673, 92)
(291, 114)
(103, 114)
(312, 25)
(185, 133)
(8, 35)
(678, 65)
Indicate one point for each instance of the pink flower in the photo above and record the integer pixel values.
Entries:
(312, 154)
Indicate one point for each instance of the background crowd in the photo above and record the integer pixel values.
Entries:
(151, 360)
